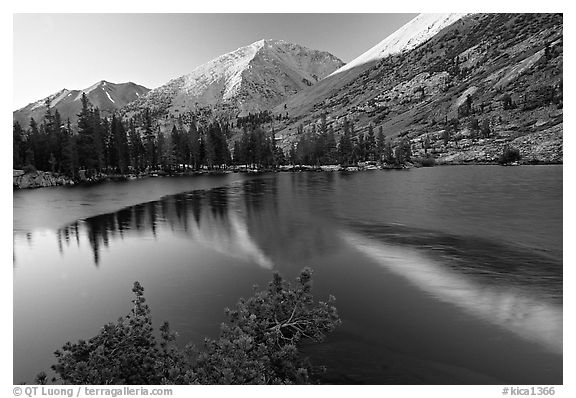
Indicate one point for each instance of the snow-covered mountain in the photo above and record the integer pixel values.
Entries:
(107, 96)
(409, 36)
(251, 78)
(463, 77)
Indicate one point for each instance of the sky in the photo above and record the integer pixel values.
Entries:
(74, 51)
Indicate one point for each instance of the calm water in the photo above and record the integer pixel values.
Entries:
(446, 275)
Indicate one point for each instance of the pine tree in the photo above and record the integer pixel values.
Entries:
(149, 144)
(403, 152)
(176, 156)
(161, 147)
(370, 144)
(196, 147)
(17, 145)
(359, 151)
(112, 149)
(279, 157)
(48, 140)
(69, 152)
(100, 133)
(201, 149)
(60, 133)
(274, 148)
(120, 151)
(380, 144)
(388, 153)
(237, 154)
(292, 154)
(52, 162)
(86, 143)
(34, 144)
(345, 146)
(331, 151)
(136, 147)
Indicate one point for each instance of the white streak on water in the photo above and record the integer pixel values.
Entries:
(231, 238)
(527, 317)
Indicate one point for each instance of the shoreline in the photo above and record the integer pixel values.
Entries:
(46, 179)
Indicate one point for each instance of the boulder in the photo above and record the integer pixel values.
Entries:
(38, 179)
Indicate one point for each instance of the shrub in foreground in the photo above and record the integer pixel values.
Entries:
(258, 343)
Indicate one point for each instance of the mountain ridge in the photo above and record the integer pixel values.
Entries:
(410, 35)
(481, 83)
(249, 79)
(107, 96)
(424, 26)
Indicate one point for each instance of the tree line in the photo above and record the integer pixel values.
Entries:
(112, 145)
(319, 146)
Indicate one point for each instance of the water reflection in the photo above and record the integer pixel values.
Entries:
(407, 276)
(207, 217)
(519, 291)
(244, 220)
(486, 261)
(513, 309)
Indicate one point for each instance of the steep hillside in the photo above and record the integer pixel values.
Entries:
(482, 82)
(249, 79)
(107, 96)
(409, 36)
(415, 32)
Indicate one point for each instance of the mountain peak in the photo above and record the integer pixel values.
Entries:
(272, 41)
(409, 36)
(249, 79)
(107, 96)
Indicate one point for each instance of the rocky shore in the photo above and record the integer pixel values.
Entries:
(38, 179)
(550, 154)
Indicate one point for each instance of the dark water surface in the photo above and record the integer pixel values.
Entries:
(446, 275)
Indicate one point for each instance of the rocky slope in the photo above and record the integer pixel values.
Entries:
(503, 71)
(107, 96)
(249, 79)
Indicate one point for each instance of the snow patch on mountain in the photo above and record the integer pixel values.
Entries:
(408, 37)
(110, 98)
(88, 90)
(54, 99)
(248, 79)
(226, 69)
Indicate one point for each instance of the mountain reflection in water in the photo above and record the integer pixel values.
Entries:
(212, 224)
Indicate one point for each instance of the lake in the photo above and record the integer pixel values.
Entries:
(444, 275)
